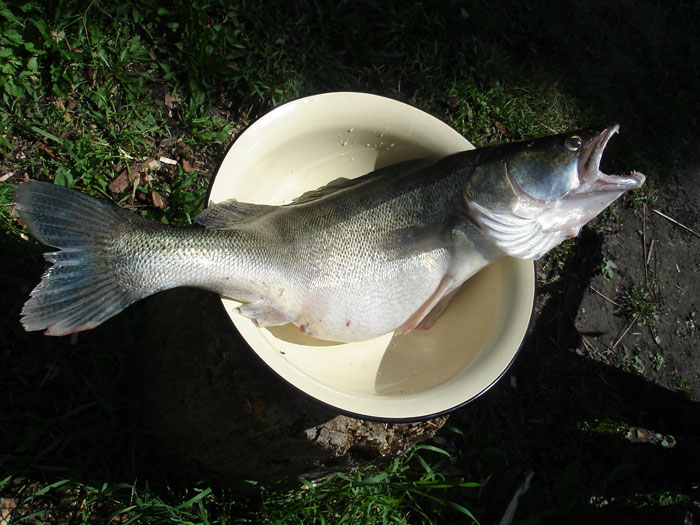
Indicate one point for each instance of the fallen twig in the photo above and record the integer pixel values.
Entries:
(594, 290)
(605, 296)
(651, 249)
(644, 246)
(589, 346)
(674, 221)
(629, 327)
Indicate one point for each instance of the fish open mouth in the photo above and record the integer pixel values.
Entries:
(546, 223)
(596, 191)
(595, 181)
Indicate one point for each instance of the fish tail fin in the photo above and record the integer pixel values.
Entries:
(79, 290)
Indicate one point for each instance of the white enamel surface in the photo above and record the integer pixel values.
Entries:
(303, 145)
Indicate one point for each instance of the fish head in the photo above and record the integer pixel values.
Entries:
(543, 191)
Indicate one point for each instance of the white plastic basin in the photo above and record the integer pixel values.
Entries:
(306, 143)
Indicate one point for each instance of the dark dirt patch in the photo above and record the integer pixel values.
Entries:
(652, 254)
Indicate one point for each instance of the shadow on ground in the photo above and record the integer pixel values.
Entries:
(73, 410)
(603, 443)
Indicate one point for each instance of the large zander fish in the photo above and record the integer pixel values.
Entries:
(350, 261)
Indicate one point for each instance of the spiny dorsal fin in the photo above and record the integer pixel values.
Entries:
(229, 213)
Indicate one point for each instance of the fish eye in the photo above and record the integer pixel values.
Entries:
(573, 143)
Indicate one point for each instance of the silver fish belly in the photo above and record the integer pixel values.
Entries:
(351, 261)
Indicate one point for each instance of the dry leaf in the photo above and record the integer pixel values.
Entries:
(120, 182)
(171, 100)
(45, 149)
(186, 166)
(500, 126)
(184, 148)
(453, 102)
(7, 507)
(169, 142)
(158, 201)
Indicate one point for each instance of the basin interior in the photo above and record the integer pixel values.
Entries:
(309, 142)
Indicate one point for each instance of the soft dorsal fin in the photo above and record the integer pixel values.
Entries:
(227, 214)
(331, 187)
(342, 183)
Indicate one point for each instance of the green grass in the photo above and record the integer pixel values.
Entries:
(387, 494)
(93, 89)
(685, 386)
(111, 503)
(638, 304)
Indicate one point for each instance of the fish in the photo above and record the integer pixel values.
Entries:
(350, 261)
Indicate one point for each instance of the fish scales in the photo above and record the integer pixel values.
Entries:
(350, 261)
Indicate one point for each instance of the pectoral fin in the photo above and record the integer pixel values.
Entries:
(264, 313)
(409, 242)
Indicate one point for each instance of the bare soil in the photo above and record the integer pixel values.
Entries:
(650, 252)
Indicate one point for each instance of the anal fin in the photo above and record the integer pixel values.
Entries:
(263, 313)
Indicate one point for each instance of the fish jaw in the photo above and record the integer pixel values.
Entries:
(571, 213)
(589, 158)
(596, 191)
(529, 227)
